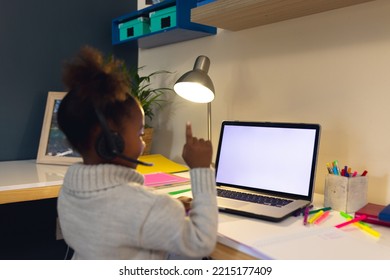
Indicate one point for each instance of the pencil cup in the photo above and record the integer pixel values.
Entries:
(347, 194)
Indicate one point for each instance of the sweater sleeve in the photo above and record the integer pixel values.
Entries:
(167, 228)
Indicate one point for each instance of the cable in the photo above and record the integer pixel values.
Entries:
(67, 252)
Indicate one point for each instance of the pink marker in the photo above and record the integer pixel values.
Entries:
(360, 218)
(322, 217)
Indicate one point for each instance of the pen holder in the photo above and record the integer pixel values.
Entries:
(347, 194)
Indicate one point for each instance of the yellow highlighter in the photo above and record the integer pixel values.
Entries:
(363, 226)
(368, 230)
(313, 218)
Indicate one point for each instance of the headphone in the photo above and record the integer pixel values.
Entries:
(110, 144)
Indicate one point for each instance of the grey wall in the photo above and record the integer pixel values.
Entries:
(35, 38)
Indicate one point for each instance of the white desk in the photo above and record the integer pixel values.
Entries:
(239, 237)
(25, 180)
(290, 239)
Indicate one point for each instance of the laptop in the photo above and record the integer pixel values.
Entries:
(266, 170)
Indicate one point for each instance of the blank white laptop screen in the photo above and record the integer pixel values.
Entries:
(268, 158)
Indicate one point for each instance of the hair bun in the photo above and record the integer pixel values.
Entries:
(100, 80)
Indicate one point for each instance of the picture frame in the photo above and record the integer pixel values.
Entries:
(53, 145)
(152, 2)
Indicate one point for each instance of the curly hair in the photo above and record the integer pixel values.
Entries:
(92, 82)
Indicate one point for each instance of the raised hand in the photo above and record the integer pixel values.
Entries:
(196, 152)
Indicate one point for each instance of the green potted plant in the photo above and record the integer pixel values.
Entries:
(151, 98)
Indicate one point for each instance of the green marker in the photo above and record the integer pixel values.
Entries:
(347, 216)
(179, 192)
(317, 210)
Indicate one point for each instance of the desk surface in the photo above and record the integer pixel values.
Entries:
(25, 181)
(289, 239)
(27, 174)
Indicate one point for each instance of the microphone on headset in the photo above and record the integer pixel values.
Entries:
(110, 144)
(132, 160)
(122, 156)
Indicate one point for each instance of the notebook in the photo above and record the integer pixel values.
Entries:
(274, 160)
(372, 212)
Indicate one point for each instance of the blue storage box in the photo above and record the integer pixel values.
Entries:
(133, 28)
(163, 19)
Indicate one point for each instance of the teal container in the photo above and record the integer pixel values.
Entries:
(134, 28)
(163, 19)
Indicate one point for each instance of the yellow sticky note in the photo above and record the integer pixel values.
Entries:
(160, 164)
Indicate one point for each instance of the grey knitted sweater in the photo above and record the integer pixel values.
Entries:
(105, 212)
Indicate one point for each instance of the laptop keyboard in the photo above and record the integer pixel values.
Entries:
(255, 198)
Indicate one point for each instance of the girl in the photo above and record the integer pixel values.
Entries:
(104, 210)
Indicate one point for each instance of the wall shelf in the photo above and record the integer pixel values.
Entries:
(182, 31)
(238, 15)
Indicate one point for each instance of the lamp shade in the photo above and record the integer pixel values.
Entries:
(196, 85)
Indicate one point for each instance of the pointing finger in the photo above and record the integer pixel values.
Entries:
(189, 138)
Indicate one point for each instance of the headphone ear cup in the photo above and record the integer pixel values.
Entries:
(103, 146)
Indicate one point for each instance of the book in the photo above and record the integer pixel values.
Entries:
(384, 215)
(372, 211)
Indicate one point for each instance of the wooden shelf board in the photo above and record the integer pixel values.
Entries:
(238, 15)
